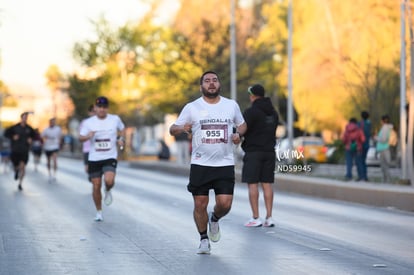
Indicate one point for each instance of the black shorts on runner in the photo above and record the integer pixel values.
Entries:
(259, 167)
(204, 178)
(51, 152)
(17, 157)
(97, 168)
(37, 151)
(85, 158)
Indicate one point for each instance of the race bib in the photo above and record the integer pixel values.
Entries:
(102, 145)
(212, 134)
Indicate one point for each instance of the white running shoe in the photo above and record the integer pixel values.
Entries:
(99, 217)
(108, 197)
(269, 222)
(253, 223)
(204, 247)
(213, 229)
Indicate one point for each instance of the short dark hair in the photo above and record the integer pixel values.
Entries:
(208, 72)
(385, 118)
(353, 120)
(364, 114)
(257, 90)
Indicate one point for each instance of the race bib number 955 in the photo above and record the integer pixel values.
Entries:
(211, 134)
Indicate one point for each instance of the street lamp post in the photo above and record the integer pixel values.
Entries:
(290, 84)
(1, 108)
(402, 96)
(233, 88)
(407, 140)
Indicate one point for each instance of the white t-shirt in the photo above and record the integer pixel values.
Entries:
(212, 127)
(86, 146)
(51, 137)
(104, 142)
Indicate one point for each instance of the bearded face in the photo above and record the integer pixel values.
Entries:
(210, 86)
(211, 93)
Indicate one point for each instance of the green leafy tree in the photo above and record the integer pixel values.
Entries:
(83, 92)
(148, 70)
(138, 67)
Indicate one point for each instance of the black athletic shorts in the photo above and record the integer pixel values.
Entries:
(51, 152)
(259, 167)
(97, 168)
(85, 158)
(204, 178)
(37, 151)
(17, 157)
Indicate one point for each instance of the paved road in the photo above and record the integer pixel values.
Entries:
(49, 229)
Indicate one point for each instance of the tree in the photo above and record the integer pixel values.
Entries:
(57, 85)
(83, 92)
(326, 36)
(149, 69)
(5, 100)
(373, 85)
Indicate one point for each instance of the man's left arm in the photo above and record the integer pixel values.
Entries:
(241, 129)
(121, 138)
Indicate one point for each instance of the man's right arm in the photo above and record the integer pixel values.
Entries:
(178, 129)
(87, 137)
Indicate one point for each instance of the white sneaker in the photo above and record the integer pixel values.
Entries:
(99, 217)
(269, 222)
(213, 229)
(253, 223)
(204, 247)
(108, 197)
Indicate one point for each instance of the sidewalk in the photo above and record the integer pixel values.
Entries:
(323, 182)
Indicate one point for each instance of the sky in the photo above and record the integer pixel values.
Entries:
(37, 34)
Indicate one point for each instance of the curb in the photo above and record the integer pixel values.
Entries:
(376, 194)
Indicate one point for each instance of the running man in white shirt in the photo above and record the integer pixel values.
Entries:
(51, 138)
(211, 120)
(105, 132)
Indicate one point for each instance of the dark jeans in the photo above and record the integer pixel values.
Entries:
(364, 173)
(351, 158)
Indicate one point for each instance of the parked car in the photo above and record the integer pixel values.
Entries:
(154, 147)
(150, 148)
(373, 157)
(304, 148)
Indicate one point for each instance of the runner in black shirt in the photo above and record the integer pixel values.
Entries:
(21, 136)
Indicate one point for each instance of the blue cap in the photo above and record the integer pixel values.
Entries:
(102, 102)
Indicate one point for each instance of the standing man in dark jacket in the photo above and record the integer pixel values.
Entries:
(260, 157)
(21, 136)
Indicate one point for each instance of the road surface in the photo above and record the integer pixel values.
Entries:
(48, 228)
